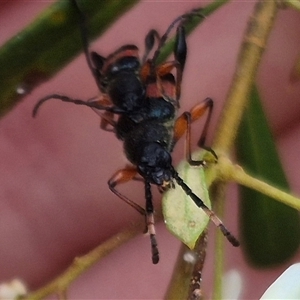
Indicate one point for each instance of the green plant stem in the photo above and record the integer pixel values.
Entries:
(218, 194)
(295, 4)
(255, 40)
(227, 171)
(81, 264)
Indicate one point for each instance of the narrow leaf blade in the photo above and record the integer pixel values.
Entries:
(270, 229)
(41, 49)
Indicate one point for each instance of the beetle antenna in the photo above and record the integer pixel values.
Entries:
(113, 109)
(212, 216)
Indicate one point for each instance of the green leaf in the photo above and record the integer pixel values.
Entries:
(182, 217)
(50, 42)
(270, 229)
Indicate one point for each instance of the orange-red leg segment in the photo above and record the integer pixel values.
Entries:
(183, 126)
(123, 176)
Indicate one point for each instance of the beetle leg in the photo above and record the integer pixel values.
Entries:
(183, 125)
(123, 176)
(149, 43)
(150, 222)
(163, 69)
(180, 56)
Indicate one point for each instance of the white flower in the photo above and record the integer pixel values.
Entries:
(12, 290)
(286, 286)
(232, 284)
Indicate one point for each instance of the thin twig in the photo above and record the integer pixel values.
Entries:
(218, 192)
(195, 291)
(255, 40)
(82, 263)
(187, 273)
(231, 172)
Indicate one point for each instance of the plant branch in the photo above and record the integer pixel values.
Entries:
(81, 264)
(295, 4)
(180, 281)
(231, 172)
(255, 40)
(218, 194)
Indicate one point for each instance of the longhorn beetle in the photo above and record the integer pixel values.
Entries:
(139, 100)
